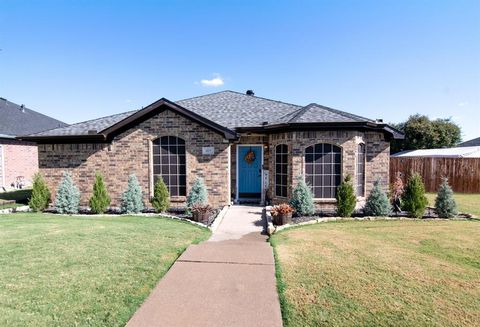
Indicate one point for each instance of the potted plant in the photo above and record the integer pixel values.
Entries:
(282, 214)
(201, 212)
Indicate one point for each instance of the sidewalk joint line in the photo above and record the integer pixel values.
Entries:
(228, 262)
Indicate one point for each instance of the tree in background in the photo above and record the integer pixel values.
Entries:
(346, 199)
(132, 198)
(302, 198)
(67, 199)
(40, 194)
(413, 199)
(161, 196)
(100, 200)
(445, 204)
(423, 133)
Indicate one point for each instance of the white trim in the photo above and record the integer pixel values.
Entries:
(3, 164)
(229, 177)
(262, 194)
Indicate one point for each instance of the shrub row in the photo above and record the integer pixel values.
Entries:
(67, 198)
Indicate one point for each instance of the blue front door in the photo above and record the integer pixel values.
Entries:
(249, 171)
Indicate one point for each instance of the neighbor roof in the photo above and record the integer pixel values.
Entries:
(473, 142)
(461, 152)
(18, 120)
(233, 111)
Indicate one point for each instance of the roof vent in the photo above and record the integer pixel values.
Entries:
(250, 92)
(22, 108)
(92, 131)
(265, 123)
(378, 120)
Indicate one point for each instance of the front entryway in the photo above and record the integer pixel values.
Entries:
(249, 172)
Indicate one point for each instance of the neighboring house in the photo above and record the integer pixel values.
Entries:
(245, 147)
(19, 159)
(473, 142)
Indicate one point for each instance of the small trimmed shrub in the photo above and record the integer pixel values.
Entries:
(445, 204)
(67, 199)
(198, 194)
(302, 198)
(40, 194)
(413, 199)
(161, 196)
(346, 199)
(100, 200)
(132, 198)
(377, 203)
(396, 193)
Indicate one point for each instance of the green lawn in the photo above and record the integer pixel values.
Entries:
(380, 273)
(469, 203)
(89, 271)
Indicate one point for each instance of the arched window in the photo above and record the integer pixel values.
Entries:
(323, 165)
(169, 164)
(281, 170)
(361, 169)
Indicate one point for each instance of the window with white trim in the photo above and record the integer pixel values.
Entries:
(281, 170)
(169, 163)
(361, 156)
(323, 166)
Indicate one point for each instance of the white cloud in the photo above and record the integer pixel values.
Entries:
(216, 81)
(463, 104)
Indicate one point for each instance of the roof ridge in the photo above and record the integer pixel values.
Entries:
(340, 112)
(31, 110)
(300, 113)
(255, 96)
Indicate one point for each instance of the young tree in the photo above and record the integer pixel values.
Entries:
(161, 196)
(198, 194)
(397, 192)
(132, 198)
(346, 199)
(40, 194)
(413, 199)
(100, 200)
(67, 199)
(302, 198)
(445, 204)
(377, 203)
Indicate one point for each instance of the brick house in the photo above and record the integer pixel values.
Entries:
(245, 147)
(19, 159)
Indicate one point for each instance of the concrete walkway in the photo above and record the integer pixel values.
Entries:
(228, 280)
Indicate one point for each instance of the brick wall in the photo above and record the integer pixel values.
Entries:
(130, 153)
(19, 159)
(377, 162)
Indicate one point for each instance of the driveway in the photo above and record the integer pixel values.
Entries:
(228, 280)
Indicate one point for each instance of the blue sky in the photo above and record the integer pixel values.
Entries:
(77, 60)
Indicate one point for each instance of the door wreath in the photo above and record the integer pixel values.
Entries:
(249, 157)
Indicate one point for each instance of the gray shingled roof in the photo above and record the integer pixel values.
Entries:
(473, 142)
(16, 120)
(229, 109)
(98, 124)
(233, 109)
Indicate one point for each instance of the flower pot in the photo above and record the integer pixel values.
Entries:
(200, 217)
(282, 218)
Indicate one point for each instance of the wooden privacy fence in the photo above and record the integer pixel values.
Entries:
(463, 173)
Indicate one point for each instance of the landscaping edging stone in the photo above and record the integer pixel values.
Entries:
(17, 209)
(272, 229)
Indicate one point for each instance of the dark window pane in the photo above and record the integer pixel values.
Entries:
(309, 169)
(285, 169)
(318, 148)
(182, 191)
(327, 192)
(156, 149)
(173, 160)
(182, 180)
(317, 180)
(309, 158)
(156, 169)
(327, 148)
(182, 169)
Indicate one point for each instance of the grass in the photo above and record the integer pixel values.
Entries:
(20, 196)
(469, 203)
(84, 271)
(380, 273)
